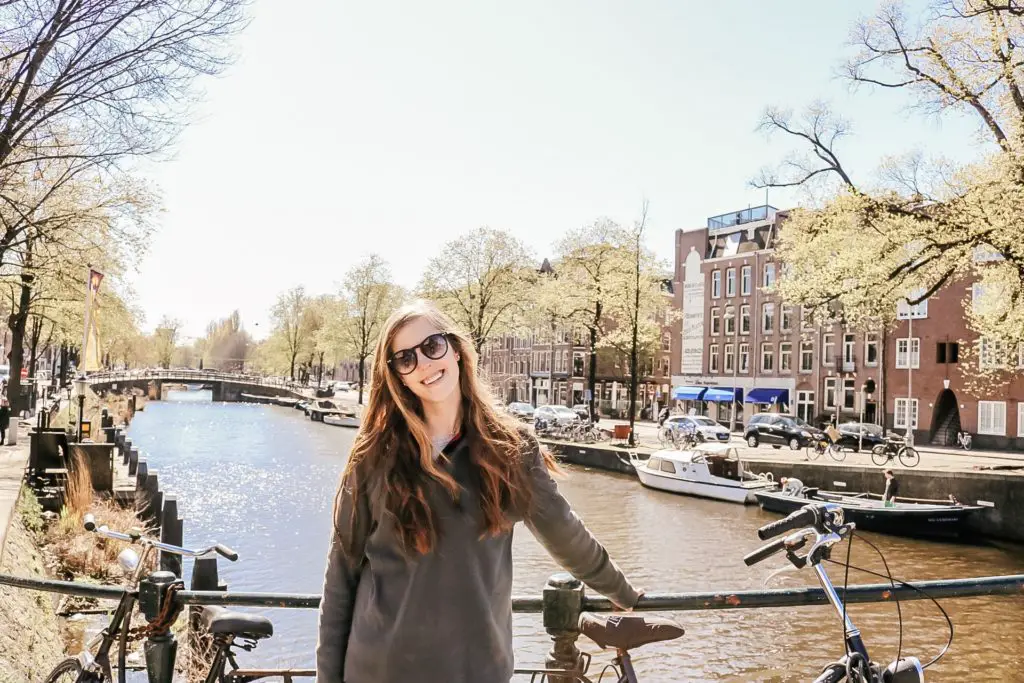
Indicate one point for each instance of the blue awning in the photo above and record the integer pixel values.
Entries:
(768, 396)
(723, 394)
(688, 393)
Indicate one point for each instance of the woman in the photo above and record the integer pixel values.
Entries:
(5, 413)
(419, 574)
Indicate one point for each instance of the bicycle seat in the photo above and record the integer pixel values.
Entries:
(628, 631)
(221, 620)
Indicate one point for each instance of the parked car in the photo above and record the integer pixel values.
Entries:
(705, 428)
(852, 433)
(780, 430)
(523, 411)
(555, 415)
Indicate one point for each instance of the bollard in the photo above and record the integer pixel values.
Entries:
(161, 648)
(562, 604)
(141, 472)
(133, 462)
(204, 578)
(171, 532)
(153, 499)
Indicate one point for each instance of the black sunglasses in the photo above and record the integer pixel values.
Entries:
(433, 347)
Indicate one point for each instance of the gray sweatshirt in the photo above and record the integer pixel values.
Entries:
(444, 617)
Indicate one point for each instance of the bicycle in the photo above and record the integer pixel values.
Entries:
(963, 439)
(622, 632)
(229, 629)
(677, 437)
(819, 447)
(895, 448)
(822, 525)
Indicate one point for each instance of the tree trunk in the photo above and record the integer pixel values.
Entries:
(33, 355)
(592, 371)
(551, 368)
(320, 371)
(634, 351)
(291, 368)
(17, 323)
(63, 364)
(362, 376)
(883, 389)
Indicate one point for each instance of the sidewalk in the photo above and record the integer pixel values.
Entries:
(13, 461)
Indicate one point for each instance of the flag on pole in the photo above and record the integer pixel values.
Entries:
(90, 360)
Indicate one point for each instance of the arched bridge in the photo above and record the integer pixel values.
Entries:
(226, 386)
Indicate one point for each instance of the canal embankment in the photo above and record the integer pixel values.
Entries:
(1000, 493)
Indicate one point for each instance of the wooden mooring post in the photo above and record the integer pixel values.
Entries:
(204, 578)
(171, 532)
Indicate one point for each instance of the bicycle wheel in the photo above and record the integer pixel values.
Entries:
(908, 456)
(837, 452)
(966, 444)
(879, 455)
(812, 451)
(665, 436)
(70, 671)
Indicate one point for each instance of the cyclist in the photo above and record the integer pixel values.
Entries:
(418, 584)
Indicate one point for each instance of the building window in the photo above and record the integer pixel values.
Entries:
(713, 358)
(786, 323)
(919, 310)
(828, 349)
(666, 342)
(947, 352)
(768, 276)
(744, 319)
(1020, 418)
(906, 413)
(830, 392)
(716, 322)
(806, 356)
(977, 297)
(991, 354)
(745, 281)
(805, 405)
(992, 418)
(908, 353)
(767, 318)
(730, 320)
(849, 394)
(849, 342)
(577, 365)
(785, 357)
(716, 284)
(805, 318)
(730, 357)
(871, 348)
(1020, 354)
(767, 358)
(730, 282)
(744, 357)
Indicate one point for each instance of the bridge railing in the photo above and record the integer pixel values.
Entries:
(193, 376)
(562, 601)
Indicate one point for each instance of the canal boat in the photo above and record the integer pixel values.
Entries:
(329, 412)
(906, 517)
(707, 471)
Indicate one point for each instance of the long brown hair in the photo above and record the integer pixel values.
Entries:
(393, 451)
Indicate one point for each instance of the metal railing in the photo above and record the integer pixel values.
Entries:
(193, 376)
(563, 599)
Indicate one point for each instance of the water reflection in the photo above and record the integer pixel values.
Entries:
(262, 478)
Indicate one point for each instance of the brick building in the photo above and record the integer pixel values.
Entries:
(741, 346)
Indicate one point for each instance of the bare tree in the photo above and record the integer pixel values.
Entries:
(165, 339)
(291, 324)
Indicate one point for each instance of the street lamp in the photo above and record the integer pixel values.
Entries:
(80, 385)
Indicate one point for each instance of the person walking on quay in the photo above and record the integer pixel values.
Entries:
(5, 413)
(418, 584)
(892, 488)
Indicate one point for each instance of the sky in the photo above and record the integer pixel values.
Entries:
(346, 128)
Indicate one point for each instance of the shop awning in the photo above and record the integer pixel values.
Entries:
(768, 396)
(723, 394)
(688, 393)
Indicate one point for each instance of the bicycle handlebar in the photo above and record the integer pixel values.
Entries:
(833, 673)
(805, 516)
(89, 522)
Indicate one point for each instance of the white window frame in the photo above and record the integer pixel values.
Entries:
(908, 353)
(713, 358)
(805, 398)
(849, 390)
(767, 317)
(768, 275)
(849, 348)
(977, 292)
(666, 342)
(811, 349)
(786, 319)
(828, 341)
(990, 354)
(730, 358)
(1020, 355)
(746, 280)
(730, 282)
(786, 351)
(905, 311)
(899, 418)
(1020, 419)
(870, 339)
(729, 317)
(768, 354)
(716, 322)
(988, 411)
(716, 284)
(831, 392)
(745, 319)
(744, 358)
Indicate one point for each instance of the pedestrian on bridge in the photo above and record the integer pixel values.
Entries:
(418, 584)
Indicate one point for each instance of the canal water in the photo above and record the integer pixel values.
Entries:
(262, 479)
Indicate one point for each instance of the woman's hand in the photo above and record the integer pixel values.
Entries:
(619, 608)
